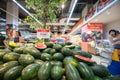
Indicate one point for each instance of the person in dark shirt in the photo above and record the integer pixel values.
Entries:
(18, 38)
(2, 40)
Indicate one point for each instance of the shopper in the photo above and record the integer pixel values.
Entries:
(114, 38)
(114, 66)
(99, 36)
(2, 40)
(9, 32)
(18, 38)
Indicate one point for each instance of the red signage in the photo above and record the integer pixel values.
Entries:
(92, 27)
(43, 33)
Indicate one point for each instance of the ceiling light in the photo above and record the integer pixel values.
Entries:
(63, 6)
(74, 4)
(26, 11)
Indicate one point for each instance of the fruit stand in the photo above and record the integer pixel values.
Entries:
(55, 61)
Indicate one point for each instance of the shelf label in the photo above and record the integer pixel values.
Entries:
(43, 33)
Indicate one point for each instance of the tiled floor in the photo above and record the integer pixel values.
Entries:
(101, 60)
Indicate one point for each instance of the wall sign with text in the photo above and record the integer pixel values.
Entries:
(43, 33)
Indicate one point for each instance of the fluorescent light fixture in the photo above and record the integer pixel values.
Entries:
(26, 11)
(63, 6)
(74, 4)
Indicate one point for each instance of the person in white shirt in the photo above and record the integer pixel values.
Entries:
(114, 66)
(114, 38)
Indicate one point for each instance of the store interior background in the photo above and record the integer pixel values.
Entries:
(110, 17)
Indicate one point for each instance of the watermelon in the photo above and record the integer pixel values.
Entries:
(84, 59)
(68, 43)
(72, 73)
(38, 61)
(57, 63)
(19, 50)
(52, 51)
(44, 71)
(58, 57)
(47, 50)
(49, 44)
(85, 71)
(30, 71)
(70, 60)
(46, 57)
(100, 71)
(66, 51)
(57, 47)
(5, 67)
(56, 72)
(32, 51)
(26, 59)
(12, 56)
(70, 46)
(13, 73)
(2, 53)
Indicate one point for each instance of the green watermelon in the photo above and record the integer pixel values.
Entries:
(26, 59)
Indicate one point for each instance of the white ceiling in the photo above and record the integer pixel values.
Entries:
(109, 15)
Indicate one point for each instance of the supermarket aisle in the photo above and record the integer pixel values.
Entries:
(101, 60)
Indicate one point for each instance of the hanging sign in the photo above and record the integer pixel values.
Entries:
(92, 27)
(95, 26)
(43, 33)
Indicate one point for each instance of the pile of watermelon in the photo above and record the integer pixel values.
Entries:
(50, 62)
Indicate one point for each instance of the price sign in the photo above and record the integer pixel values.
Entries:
(42, 33)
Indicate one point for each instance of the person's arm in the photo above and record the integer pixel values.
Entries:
(21, 40)
(5, 42)
(111, 39)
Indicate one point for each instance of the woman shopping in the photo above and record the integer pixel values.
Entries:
(114, 66)
(18, 38)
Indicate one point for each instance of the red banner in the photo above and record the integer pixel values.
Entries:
(92, 27)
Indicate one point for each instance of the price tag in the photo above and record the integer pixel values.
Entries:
(42, 33)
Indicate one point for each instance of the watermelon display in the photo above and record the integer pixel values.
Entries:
(50, 61)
